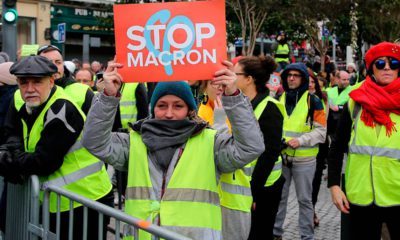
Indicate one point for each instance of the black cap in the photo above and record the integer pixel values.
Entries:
(33, 66)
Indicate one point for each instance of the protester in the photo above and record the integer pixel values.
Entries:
(173, 160)
(315, 86)
(210, 108)
(337, 98)
(266, 180)
(304, 128)
(354, 75)
(46, 117)
(79, 93)
(85, 76)
(367, 128)
(282, 52)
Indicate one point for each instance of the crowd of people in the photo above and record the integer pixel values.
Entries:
(209, 159)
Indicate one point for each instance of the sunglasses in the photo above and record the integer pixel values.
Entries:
(393, 64)
(45, 48)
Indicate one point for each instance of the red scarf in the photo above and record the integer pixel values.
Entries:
(378, 102)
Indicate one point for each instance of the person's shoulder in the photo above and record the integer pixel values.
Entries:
(61, 103)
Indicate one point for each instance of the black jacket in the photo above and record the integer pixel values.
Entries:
(271, 124)
(55, 140)
(339, 147)
(6, 95)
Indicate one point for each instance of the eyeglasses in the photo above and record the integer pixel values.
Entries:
(47, 47)
(393, 64)
(241, 73)
(295, 75)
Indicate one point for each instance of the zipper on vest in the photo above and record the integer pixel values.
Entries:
(233, 176)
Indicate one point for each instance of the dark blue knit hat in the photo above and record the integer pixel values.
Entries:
(179, 89)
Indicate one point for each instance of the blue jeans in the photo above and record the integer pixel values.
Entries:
(302, 175)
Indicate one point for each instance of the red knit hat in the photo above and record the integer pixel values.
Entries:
(383, 49)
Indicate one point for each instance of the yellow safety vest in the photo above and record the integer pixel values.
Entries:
(282, 50)
(296, 125)
(81, 172)
(373, 166)
(190, 202)
(18, 101)
(127, 104)
(339, 99)
(235, 189)
(277, 169)
(77, 93)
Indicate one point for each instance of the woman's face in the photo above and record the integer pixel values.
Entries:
(350, 69)
(170, 107)
(384, 71)
(241, 76)
(213, 90)
(311, 85)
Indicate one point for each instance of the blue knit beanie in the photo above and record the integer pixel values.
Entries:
(179, 89)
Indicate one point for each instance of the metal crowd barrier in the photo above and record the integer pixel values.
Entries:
(23, 214)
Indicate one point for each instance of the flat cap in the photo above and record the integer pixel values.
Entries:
(33, 66)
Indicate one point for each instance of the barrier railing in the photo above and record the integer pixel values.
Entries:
(26, 216)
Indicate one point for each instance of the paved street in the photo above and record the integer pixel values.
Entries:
(329, 226)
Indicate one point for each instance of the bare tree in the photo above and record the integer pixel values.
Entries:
(314, 13)
(251, 15)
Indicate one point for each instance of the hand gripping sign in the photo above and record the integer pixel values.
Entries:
(170, 41)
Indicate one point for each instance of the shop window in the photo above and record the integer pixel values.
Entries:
(26, 28)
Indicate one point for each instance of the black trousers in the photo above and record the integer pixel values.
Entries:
(321, 165)
(263, 217)
(366, 222)
(92, 221)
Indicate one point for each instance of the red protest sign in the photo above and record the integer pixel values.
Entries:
(170, 41)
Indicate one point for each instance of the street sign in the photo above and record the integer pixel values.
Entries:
(61, 32)
(325, 32)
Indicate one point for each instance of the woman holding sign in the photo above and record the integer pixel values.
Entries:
(173, 160)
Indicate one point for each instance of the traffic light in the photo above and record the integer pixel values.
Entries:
(10, 14)
(9, 28)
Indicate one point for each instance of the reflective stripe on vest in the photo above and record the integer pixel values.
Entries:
(339, 99)
(296, 125)
(77, 93)
(80, 172)
(190, 203)
(373, 166)
(282, 50)
(235, 189)
(127, 104)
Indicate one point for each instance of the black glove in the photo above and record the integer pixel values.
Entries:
(7, 167)
(5, 158)
(13, 143)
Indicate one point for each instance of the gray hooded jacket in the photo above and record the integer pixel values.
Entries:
(230, 152)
